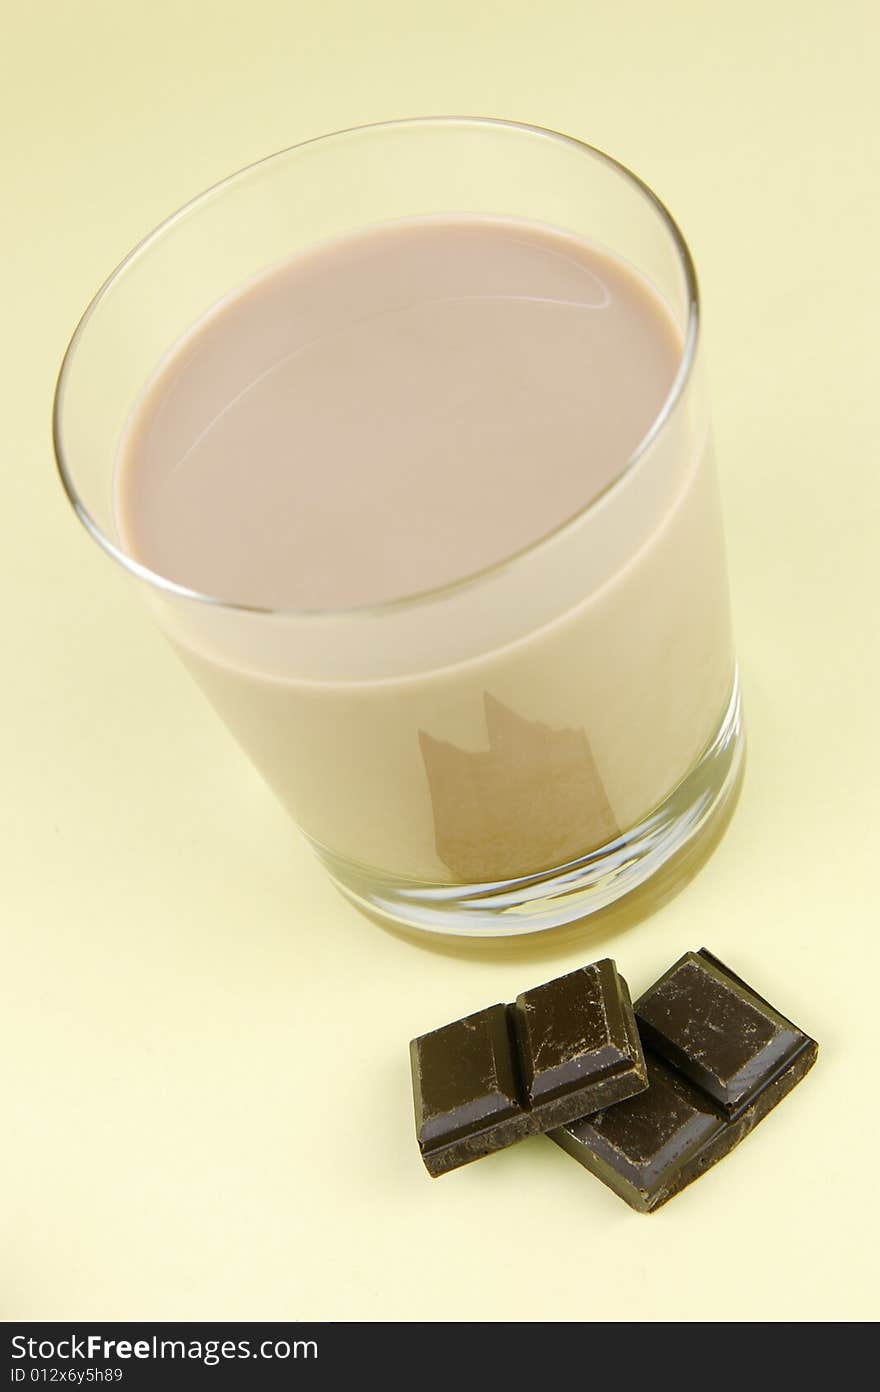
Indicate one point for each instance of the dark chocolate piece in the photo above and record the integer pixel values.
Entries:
(715, 1030)
(719, 1059)
(562, 1049)
(464, 1082)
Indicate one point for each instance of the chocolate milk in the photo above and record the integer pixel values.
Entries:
(356, 442)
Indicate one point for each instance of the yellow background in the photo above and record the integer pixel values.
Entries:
(203, 1064)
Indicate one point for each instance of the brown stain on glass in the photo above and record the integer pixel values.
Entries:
(531, 801)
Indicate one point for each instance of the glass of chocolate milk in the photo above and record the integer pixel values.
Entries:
(403, 435)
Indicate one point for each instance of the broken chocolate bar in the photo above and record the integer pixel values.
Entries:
(719, 1058)
(562, 1049)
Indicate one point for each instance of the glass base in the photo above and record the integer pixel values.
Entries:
(567, 892)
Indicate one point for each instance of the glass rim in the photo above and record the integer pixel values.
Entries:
(172, 587)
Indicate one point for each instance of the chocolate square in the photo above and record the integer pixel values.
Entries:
(465, 1082)
(576, 1031)
(651, 1145)
(715, 1030)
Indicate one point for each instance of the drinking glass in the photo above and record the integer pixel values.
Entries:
(521, 747)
